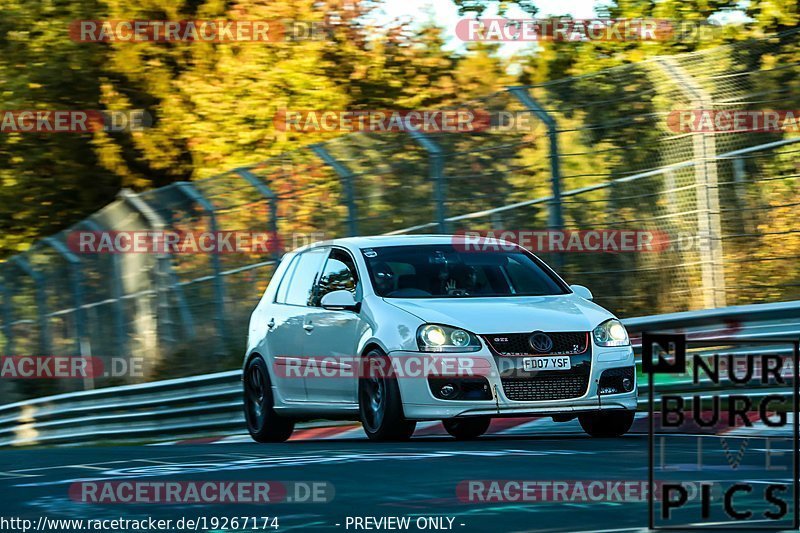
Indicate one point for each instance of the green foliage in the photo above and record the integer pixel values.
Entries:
(212, 104)
(478, 7)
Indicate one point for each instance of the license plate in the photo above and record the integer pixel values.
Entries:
(556, 362)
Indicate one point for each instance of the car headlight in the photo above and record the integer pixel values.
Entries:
(611, 333)
(436, 338)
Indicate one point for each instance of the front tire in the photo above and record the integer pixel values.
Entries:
(606, 424)
(263, 423)
(379, 403)
(467, 428)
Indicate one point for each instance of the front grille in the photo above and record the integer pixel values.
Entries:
(545, 388)
(564, 343)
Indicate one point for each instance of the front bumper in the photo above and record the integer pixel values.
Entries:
(419, 403)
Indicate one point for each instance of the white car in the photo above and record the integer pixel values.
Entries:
(395, 330)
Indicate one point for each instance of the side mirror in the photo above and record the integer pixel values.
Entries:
(582, 291)
(340, 300)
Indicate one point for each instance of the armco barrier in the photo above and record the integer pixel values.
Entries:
(211, 404)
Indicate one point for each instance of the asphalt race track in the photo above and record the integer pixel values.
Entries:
(413, 479)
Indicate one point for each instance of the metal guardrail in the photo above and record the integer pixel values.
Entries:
(186, 406)
(211, 404)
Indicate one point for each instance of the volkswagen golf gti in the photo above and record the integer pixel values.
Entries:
(395, 330)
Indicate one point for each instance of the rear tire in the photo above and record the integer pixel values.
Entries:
(379, 403)
(263, 423)
(467, 428)
(605, 424)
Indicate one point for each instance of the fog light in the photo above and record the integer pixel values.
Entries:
(447, 391)
(627, 384)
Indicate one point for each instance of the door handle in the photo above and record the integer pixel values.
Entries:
(308, 327)
(271, 323)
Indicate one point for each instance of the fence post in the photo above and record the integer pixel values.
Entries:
(191, 192)
(41, 303)
(8, 326)
(76, 280)
(556, 214)
(708, 213)
(165, 276)
(272, 198)
(346, 175)
(436, 173)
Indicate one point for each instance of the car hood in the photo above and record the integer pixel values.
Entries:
(518, 314)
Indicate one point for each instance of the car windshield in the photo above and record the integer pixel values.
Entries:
(443, 271)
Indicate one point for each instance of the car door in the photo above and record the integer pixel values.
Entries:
(285, 333)
(333, 335)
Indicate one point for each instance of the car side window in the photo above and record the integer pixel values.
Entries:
(339, 274)
(283, 288)
(301, 286)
